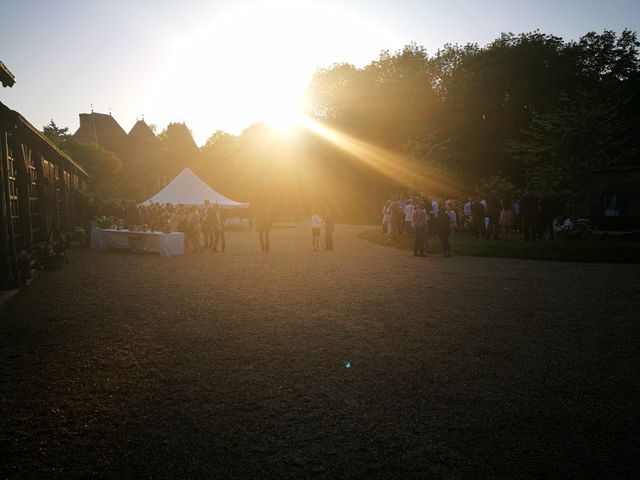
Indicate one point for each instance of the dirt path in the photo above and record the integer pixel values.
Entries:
(233, 365)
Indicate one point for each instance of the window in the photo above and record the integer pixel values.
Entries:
(13, 192)
(611, 206)
(34, 206)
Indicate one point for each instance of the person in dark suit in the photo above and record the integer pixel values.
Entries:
(263, 225)
(529, 215)
(419, 222)
(493, 212)
(443, 226)
(328, 229)
(218, 229)
(207, 224)
(477, 218)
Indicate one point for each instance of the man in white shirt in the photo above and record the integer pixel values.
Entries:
(486, 215)
(453, 223)
(408, 216)
(466, 214)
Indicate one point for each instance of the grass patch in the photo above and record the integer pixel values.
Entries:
(559, 250)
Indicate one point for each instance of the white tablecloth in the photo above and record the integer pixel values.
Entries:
(166, 244)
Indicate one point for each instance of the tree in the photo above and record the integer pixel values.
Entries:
(564, 148)
(101, 165)
(57, 135)
(481, 101)
(219, 139)
(179, 144)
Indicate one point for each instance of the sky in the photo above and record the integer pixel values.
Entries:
(223, 64)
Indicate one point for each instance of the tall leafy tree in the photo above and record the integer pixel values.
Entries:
(180, 147)
(56, 134)
(102, 165)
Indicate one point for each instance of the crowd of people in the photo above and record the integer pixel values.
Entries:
(491, 217)
(204, 226)
(418, 215)
(318, 222)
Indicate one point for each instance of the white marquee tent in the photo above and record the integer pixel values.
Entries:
(189, 189)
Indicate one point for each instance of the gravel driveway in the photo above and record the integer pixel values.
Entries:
(234, 365)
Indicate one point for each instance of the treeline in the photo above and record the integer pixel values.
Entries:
(528, 110)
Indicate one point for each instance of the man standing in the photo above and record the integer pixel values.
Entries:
(218, 229)
(395, 218)
(328, 229)
(207, 224)
(263, 224)
(493, 212)
(408, 216)
(466, 214)
(477, 218)
(419, 222)
(529, 214)
(401, 205)
(453, 225)
(443, 225)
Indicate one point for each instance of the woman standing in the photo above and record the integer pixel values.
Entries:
(386, 218)
(506, 219)
(316, 226)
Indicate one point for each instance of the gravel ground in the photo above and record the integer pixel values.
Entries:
(233, 366)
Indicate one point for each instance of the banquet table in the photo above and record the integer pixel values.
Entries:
(166, 244)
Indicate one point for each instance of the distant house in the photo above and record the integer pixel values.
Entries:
(144, 160)
(146, 166)
(39, 185)
(103, 130)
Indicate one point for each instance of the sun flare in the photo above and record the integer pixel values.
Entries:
(252, 64)
(287, 117)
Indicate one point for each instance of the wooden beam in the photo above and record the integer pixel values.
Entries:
(8, 256)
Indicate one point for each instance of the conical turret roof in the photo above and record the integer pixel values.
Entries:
(142, 133)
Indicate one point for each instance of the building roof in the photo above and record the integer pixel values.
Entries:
(6, 77)
(101, 129)
(14, 122)
(141, 133)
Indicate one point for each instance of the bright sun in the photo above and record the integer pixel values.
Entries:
(251, 64)
(287, 117)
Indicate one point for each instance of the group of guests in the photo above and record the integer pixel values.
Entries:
(419, 215)
(204, 225)
(491, 217)
(495, 217)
